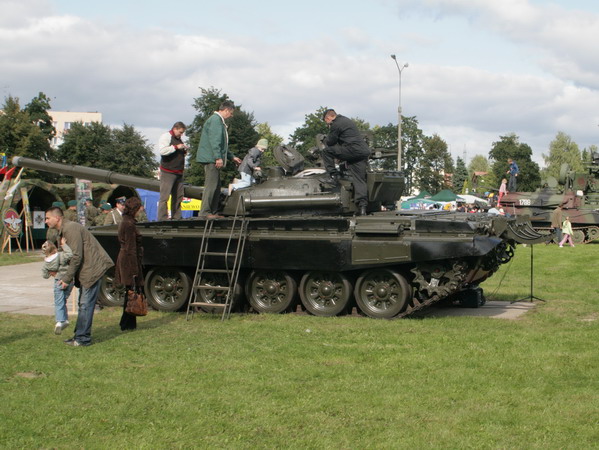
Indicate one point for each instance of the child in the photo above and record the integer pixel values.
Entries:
(55, 264)
(502, 191)
(567, 232)
(250, 163)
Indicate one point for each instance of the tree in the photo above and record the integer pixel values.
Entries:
(241, 131)
(478, 163)
(20, 136)
(96, 145)
(459, 176)
(38, 113)
(509, 146)
(274, 140)
(562, 150)
(412, 149)
(432, 164)
(304, 137)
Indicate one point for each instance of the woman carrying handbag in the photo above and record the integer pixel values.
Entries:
(128, 271)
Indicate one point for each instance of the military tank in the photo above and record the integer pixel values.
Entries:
(577, 192)
(305, 240)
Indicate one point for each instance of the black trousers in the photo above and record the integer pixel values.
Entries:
(356, 162)
(128, 321)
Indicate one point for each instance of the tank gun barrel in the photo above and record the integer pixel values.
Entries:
(100, 175)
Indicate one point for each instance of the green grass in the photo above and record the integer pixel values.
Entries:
(297, 381)
(19, 258)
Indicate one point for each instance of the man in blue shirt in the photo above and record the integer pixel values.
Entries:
(513, 173)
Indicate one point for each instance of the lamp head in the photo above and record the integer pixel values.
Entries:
(393, 57)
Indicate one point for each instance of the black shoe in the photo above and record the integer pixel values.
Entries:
(362, 211)
(331, 180)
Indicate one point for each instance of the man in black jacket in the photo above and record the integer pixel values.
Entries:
(345, 143)
(172, 163)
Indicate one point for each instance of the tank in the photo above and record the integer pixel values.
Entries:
(578, 192)
(306, 248)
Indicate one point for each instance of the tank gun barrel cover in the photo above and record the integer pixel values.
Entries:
(100, 175)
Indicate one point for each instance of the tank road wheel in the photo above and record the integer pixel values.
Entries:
(592, 233)
(325, 293)
(270, 291)
(217, 296)
(382, 293)
(167, 288)
(111, 294)
(578, 236)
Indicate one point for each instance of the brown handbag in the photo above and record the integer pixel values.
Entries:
(137, 305)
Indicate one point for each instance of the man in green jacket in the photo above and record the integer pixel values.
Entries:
(87, 267)
(213, 153)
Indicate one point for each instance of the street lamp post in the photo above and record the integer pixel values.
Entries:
(399, 70)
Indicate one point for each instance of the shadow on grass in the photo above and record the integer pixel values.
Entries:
(108, 332)
(24, 335)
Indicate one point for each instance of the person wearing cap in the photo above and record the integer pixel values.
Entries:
(105, 209)
(346, 144)
(71, 212)
(213, 152)
(251, 162)
(58, 205)
(115, 216)
(91, 212)
(172, 164)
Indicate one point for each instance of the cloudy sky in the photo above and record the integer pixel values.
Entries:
(478, 69)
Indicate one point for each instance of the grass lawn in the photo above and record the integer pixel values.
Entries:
(297, 381)
(20, 258)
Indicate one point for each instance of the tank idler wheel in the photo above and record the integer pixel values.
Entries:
(216, 296)
(111, 294)
(325, 293)
(382, 293)
(578, 236)
(270, 291)
(167, 288)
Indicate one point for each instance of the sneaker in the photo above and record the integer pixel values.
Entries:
(74, 343)
(58, 328)
(561, 246)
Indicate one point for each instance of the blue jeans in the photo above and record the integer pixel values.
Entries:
(60, 300)
(246, 181)
(87, 303)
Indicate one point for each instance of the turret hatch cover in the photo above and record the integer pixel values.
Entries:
(289, 158)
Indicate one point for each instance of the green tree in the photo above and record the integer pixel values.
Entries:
(509, 146)
(274, 140)
(241, 131)
(459, 176)
(304, 137)
(37, 109)
(432, 164)
(97, 145)
(412, 149)
(562, 150)
(20, 136)
(478, 163)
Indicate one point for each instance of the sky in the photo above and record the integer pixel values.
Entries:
(477, 69)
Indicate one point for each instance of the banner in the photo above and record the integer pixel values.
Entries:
(26, 210)
(83, 191)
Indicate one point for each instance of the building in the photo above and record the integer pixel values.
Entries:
(62, 121)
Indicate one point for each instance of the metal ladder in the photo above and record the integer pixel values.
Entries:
(231, 263)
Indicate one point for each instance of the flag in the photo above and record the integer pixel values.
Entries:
(8, 173)
(3, 170)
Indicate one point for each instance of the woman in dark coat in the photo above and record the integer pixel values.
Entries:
(128, 270)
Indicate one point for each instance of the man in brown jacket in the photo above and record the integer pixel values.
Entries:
(556, 223)
(87, 267)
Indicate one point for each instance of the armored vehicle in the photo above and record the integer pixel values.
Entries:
(578, 193)
(289, 236)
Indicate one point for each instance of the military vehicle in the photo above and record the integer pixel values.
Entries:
(302, 239)
(578, 193)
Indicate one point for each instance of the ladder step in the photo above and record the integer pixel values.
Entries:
(215, 288)
(208, 305)
(218, 254)
(215, 271)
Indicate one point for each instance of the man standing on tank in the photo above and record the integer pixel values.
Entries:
(345, 143)
(172, 164)
(213, 152)
(513, 172)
